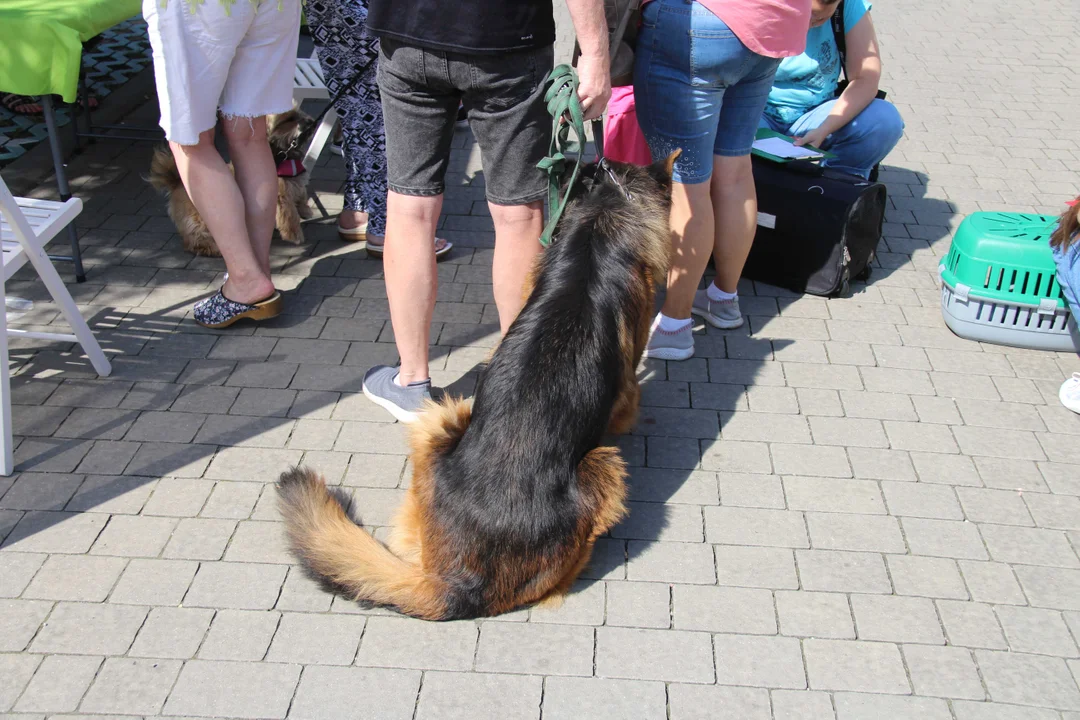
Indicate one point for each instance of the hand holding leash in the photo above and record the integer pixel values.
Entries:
(594, 85)
(564, 106)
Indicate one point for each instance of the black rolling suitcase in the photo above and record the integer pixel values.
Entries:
(818, 229)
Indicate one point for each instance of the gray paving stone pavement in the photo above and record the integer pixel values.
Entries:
(839, 511)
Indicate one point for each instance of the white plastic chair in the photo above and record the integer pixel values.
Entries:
(26, 226)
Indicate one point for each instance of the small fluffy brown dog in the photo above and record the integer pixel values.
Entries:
(292, 204)
(510, 492)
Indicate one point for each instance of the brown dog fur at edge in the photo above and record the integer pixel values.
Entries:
(511, 490)
(292, 203)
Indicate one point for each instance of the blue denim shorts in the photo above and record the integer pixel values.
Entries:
(697, 87)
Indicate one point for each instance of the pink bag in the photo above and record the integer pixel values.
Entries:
(623, 139)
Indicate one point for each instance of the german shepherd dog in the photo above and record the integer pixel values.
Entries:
(510, 491)
(292, 203)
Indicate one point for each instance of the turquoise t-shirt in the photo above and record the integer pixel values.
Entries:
(805, 81)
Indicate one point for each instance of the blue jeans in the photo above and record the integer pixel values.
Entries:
(1068, 274)
(697, 87)
(861, 144)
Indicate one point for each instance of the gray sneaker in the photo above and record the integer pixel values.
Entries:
(671, 345)
(403, 402)
(724, 314)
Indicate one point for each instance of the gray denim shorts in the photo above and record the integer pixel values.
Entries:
(504, 97)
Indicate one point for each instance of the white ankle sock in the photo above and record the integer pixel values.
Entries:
(397, 380)
(717, 295)
(668, 324)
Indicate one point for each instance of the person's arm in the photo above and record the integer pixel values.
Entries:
(864, 75)
(594, 65)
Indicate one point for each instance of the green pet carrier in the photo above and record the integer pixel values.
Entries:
(999, 284)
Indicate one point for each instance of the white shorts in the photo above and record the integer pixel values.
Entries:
(240, 60)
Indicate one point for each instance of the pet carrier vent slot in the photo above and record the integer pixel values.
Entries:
(998, 284)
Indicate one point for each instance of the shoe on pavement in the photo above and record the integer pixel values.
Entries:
(724, 314)
(404, 403)
(1069, 394)
(670, 344)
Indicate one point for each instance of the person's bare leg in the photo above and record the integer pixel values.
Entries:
(214, 191)
(411, 278)
(349, 219)
(734, 201)
(517, 243)
(256, 176)
(692, 231)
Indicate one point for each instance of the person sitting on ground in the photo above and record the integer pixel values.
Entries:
(857, 127)
(498, 68)
(1065, 244)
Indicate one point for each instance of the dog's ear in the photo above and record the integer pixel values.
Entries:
(669, 164)
(661, 170)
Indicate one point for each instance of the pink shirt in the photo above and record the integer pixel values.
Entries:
(773, 28)
(623, 139)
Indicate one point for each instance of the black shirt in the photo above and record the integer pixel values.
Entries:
(465, 26)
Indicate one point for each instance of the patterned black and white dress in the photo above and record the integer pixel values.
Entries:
(345, 47)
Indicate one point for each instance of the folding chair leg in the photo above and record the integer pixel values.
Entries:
(7, 453)
(85, 108)
(315, 149)
(62, 183)
(318, 141)
(62, 297)
(318, 203)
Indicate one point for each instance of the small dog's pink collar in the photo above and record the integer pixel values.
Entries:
(290, 168)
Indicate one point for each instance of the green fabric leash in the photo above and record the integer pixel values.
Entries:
(562, 103)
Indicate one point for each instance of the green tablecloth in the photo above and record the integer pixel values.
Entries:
(41, 41)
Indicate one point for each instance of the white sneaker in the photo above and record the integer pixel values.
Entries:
(1070, 393)
(670, 344)
(724, 314)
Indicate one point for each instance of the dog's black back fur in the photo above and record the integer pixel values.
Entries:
(546, 397)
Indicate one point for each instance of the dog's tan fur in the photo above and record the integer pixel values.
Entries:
(292, 204)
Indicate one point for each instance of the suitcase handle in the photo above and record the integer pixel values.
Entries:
(805, 167)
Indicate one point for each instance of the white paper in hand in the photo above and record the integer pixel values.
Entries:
(783, 148)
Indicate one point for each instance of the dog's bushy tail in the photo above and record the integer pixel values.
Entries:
(164, 175)
(334, 548)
